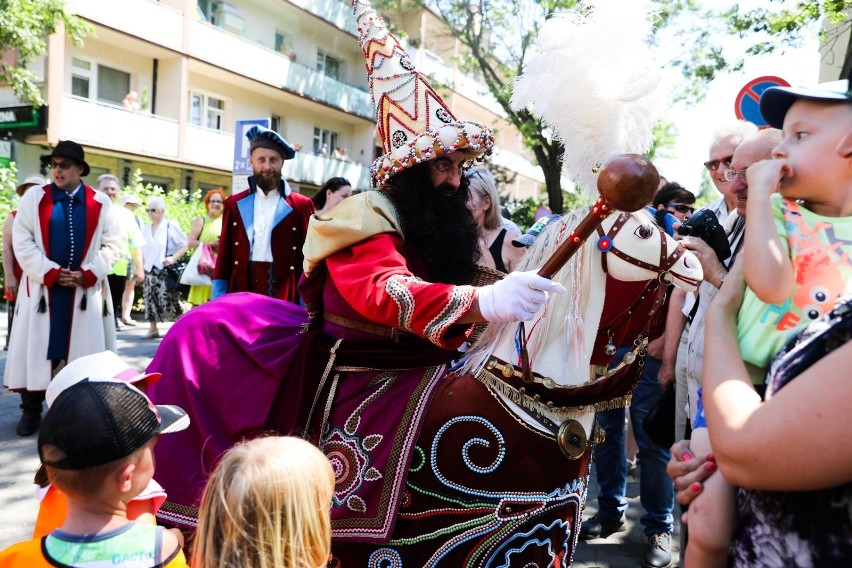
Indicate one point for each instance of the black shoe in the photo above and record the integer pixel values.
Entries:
(598, 526)
(658, 552)
(28, 424)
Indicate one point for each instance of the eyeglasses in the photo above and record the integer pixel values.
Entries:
(62, 165)
(681, 208)
(713, 165)
(732, 174)
(219, 201)
(444, 165)
(152, 210)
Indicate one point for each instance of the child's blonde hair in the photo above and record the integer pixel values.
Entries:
(267, 505)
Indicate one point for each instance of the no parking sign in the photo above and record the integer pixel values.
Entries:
(747, 105)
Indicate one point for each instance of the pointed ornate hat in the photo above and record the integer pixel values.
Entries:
(414, 123)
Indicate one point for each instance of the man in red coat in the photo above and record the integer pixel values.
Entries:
(264, 226)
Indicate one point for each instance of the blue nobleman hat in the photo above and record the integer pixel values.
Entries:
(261, 137)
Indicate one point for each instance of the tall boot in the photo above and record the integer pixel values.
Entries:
(31, 415)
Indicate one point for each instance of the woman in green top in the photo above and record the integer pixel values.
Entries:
(206, 229)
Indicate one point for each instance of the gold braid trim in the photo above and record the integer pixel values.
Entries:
(558, 413)
(328, 367)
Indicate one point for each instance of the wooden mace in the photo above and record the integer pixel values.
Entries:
(627, 182)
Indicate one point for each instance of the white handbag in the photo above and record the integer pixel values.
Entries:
(190, 276)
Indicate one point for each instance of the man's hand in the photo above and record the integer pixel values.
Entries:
(11, 286)
(655, 347)
(713, 269)
(688, 472)
(666, 376)
(517, 297)
(70, 278)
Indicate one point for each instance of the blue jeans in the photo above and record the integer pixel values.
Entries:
(656, 491)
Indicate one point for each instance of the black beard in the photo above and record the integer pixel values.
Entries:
(267, 182)
(437, 224)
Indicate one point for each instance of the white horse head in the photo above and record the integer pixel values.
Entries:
(561, 338)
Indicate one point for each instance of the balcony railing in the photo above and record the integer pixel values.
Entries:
(227, 50)
(215, 149)
(112, 127)
(206, 147)
(336, 12)
(147, 19)
(313, 169)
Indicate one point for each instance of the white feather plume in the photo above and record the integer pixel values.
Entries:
(595, 83)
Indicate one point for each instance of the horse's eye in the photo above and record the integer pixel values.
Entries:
(644, 231)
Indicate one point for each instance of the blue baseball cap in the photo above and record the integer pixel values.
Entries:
(776, 101)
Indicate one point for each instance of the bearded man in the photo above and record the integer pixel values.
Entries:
(389, 292)
(264, 226)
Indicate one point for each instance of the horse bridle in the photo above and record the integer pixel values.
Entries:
(605, 245)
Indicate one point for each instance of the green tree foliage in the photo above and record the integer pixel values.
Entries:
(24, 27)
(182, 205)
(772, 27)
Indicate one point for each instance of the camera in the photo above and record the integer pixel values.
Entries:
(705, 225)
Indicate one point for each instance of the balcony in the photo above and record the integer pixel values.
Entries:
(108, 126)
(336, 12)
(146, 19)
(229, 51)
(313, 169)
(211, 148)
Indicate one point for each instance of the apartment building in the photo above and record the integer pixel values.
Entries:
(199, 66)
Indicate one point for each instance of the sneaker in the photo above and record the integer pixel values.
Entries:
(658, 552)
(151, 334)
(598, 526)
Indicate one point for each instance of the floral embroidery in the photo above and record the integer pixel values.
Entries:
(350, 460)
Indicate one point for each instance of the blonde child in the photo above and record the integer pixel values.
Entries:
(267, 505)
(797, 262)
(96, 443)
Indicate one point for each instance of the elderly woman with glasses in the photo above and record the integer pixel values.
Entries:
(495, 241)
(165, 244)
(206, 230)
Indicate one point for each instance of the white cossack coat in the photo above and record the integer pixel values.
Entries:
(27, 366)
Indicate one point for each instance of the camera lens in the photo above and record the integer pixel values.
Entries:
(685, 230)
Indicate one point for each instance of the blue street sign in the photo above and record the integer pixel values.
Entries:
(241, 144)
(747, 104)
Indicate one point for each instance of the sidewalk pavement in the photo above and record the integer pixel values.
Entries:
(19, 461)
(19, 457)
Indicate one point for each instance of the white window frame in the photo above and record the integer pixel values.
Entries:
(322, 64)
(327, 137)
(206, 109)
(84, 74)
(92, 74)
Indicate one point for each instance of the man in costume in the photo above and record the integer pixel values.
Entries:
(264, 226)
(66, 242)
(388, 288)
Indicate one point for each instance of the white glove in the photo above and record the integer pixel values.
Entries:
(517, 297)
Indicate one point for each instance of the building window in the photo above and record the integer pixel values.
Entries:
(206, 111)
(81, 75)
(324, 141)
(275, 123)
(113, 84)
(106, 84)
(328, 65)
